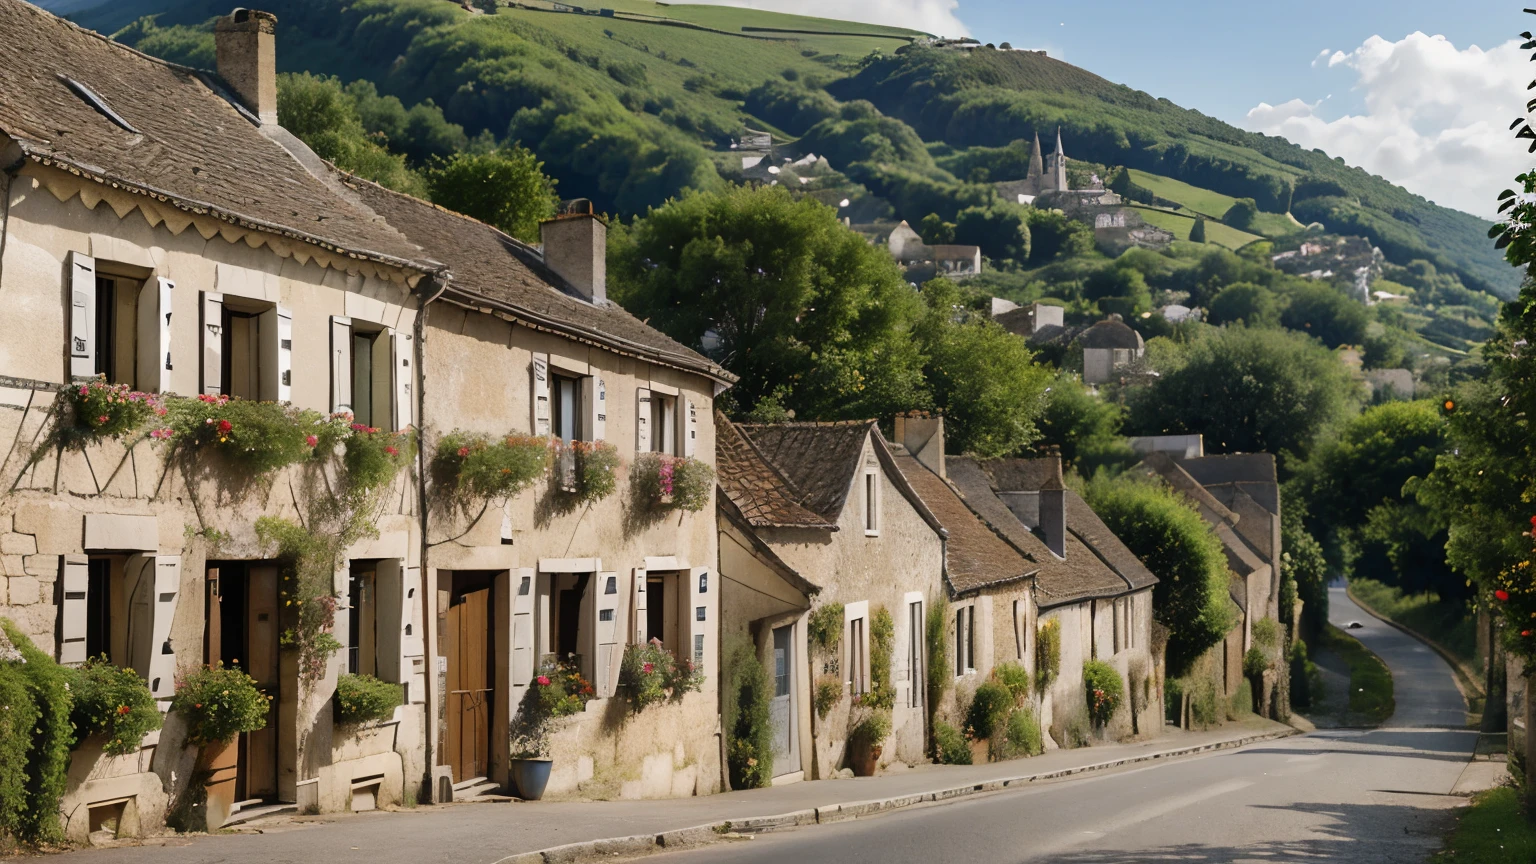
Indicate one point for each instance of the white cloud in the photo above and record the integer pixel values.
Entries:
(1435, 119)
(930, 16)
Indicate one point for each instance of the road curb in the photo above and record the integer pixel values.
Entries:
(640, 844)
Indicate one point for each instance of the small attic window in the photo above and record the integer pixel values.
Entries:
(100, 104)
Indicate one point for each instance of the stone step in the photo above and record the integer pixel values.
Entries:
(251, 810)
(471, 789)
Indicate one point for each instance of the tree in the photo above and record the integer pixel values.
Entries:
(317, 111)
(1084, 427)
(805, 309)
(506, 188)
(1054, 236)
(1245, 303)
(1241, 214)
(1197, 231)
(935, 231)
(1302, 561)
(1248, 391)
(1384, 350)
(1182, 550)
(1001, 230)
(984, 379)
(1323, 311)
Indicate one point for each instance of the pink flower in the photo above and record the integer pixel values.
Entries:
(543, 680)
(463, 451)
(311, 440)
(649, 668)
(85, 391)
(102, 419)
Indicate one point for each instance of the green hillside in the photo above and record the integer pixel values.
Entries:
(641, 101)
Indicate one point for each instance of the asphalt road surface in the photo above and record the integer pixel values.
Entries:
(1361, 796)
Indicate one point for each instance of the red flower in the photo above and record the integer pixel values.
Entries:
(391, 451)
(649, 668)
(543, 680)
(1525, 632)
(224, 427)
(311, 440)
(1502, 595)
(463, 451)
(123, 709)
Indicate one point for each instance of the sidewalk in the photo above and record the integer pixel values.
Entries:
(494, 832)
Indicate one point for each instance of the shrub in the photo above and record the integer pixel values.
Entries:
(1255, 662)
(873, 728)
(949, 745)
(102, 410)
(826, 627)
(748, 689)
(1241, 703)
(371, 458)
(1015, 677)
(35, 744)
(829, 692)
(597, 465)
(1047, 654)
(218, 704)
(685, 481)
(1204, 704)
(882, 636)
(650, 674)
(259, 437)
(114, 702)
(1022, 735)
(1104, 689)
(366, 699)
(938, 650)
(482, 468)
(989, 710)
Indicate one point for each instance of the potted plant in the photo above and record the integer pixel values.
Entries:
(114, 703)
(866, 742)
(677, 482)
(218, 704)
(558, 690)
(650, 674)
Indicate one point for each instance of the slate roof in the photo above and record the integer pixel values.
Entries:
(763, 551)
(189, 146)
(1241, 558)
(1086, 524)
(764, 497)
(1112, 334)
(974, 556)
(493, 269)
(819, 459)
(1231, 468)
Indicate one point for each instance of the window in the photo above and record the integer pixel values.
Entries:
(916, 631)
(363, 620)
(871, 504)
(118, 604)
(664, 599)
(119, 324)
(565, 414)
(858, 658)
(663, 424)
(117, 303)
(965, 640)
(247, 348)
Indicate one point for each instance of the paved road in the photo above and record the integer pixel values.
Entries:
(1345, 795)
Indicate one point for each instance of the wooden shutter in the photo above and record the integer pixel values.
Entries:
(153, 363)
(640, 624)
(540, 395)
(82, 315)
(383, 383)
(690, 427)
(72, 619)
(393, 618)
(162, 661)
(609, 603)
(404, 401)
(276, 355)
(213, 343)
(643, 420)
(341, 364)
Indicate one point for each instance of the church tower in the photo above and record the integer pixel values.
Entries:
(1056, 179)
(1036, 164)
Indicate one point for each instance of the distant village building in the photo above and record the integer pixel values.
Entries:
(1047, 176)
(1034, 322)
(1390, 383)
(923, 262)
(1108, 346)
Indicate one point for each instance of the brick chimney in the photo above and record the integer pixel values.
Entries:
(923, 437)
(576, 248)
(246, 42)
(1053, 509)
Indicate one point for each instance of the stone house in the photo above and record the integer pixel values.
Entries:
(1107, 347)
(828, 502)
(162, 232)
(923, 262)
(1094, 588)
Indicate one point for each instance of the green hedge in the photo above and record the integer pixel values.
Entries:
(366, 699)
(748, 690)
(34, 743)
(112, 701)
(989, 710)
(949, 745)
(1103, 689)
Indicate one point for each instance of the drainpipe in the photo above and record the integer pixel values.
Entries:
(431, 289)
(9, 174)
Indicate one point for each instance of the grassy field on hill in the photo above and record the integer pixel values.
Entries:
(1211, 205)
(1215, 232)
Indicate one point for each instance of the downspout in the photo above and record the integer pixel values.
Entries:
(432, 288)
(10, 171)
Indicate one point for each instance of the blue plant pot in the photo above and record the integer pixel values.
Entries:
(531, 776)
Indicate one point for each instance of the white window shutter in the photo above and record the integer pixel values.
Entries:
(138, 585)
(524, 602)
(405, 386)
(610, 596)
(690, 428)
(599, 409)
(700, 629)
(641, 628)
(162, 661)
(413, 663)
(275, 327)
(72, 620)
(82, 315)
(341, 628)
(341, 364)
(541, 394)
(643, 421)
(154, 332)
(213, 343)
(284, 355)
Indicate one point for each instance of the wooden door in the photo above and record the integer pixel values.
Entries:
(470, 695)
(261, 663)
(213, 620)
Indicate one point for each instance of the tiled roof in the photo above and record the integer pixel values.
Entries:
(974, 556)
(1231, 468)
(492, 269)
(820, 459)
(1241, 558)
(1086, 524)
(764, 552)
(1111, 334)
(765, 498)
(189, 147)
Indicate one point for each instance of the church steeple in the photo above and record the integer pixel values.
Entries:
(1057, 166)
(1036, 160)
(1059, 150)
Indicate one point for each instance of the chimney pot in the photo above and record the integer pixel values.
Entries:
(576, 248)
(1053, 508)
(923, 437)
(246, 46)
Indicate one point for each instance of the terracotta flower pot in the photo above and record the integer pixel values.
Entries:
(863, 757)
(220, 761)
